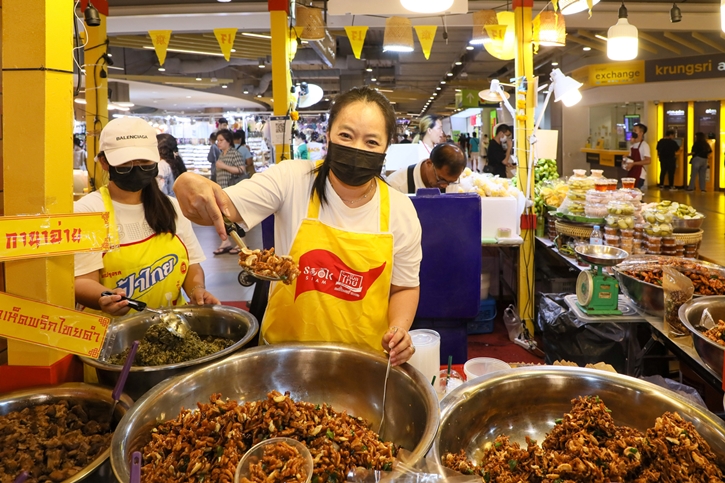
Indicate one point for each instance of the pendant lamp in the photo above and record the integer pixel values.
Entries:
(398, 35)
(570, 7)
(494, 94)
(481, 18)
(427, 6)
(504, 48)
(552, 32)
(310, 23)
(622, 39)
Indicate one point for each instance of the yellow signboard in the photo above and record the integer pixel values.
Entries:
(606, 159)
(52, 326)
(621, 73)
(24, 237)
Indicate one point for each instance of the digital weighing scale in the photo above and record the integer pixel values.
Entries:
(597, 292)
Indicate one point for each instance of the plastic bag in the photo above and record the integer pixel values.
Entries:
(683, 390)
(426, 470)
(678, 290)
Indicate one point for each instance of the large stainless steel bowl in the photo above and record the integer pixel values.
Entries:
(648, 297)
(346, 377)
(215, 320)
(690, 314)
(99, 471)
(680, 225)
(526, 401)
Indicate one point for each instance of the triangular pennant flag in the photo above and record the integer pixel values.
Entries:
(160, 39)
(357, 39)
(225, 37)
(496, 32)
(426, 35)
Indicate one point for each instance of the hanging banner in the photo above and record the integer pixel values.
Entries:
(357, 39)
(52, 326)
(226, 37)
(24, 237)
(160, 39)
(426, 35)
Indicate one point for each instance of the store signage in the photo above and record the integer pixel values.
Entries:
(326, 48)
(280, 129)
(685, 68)
(52, 326)
(469, 98)
(24, 237)
(712, 112)
(621, 73)
(676, 112)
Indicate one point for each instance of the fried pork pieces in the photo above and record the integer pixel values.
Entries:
(587, 447)
(206, 445)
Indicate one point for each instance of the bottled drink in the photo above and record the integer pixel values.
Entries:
(596, 237)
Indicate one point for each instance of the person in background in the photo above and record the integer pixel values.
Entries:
(230, 171)
(448, 138)
(431, 132)
(700, 152)
(639, 155)
(667, 149)
(406, 139)
(169, 152)
(484, 151)
(79, 154)
(315, 149)
(165, 178)
(475, 158)
(300, 146)
(213, 155)
(338, 218)
(240, 144)
(222, 123)
(441, 170)
(151, 228)
(499, 157)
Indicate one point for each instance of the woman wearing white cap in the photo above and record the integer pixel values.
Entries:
(159, 253)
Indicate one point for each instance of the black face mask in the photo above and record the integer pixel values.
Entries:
(634, 135)
(354, 167)
(135, 180)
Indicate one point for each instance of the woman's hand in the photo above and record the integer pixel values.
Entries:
(200, 296)
(399, 345)
(114, 304)
(203, 202)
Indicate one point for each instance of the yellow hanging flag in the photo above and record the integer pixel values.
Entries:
(160, 39)
(496, 32)
(426, 35)
(357, 39)
(225, 37)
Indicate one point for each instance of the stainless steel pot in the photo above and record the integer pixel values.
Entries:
(346, 377)
(215, 320)
(99, 471)
(680, 225)
(526, 401)
(690, 314)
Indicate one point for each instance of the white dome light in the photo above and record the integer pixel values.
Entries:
(427, 6)
(622, 38)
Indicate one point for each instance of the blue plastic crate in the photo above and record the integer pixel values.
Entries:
(483, 323)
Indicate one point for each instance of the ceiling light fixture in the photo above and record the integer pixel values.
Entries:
(398, 35)
(675, 13)
(369, 69)
(586, 49)
(443, 82)
(552, 29)
(185, 51)
(450, 74)
(93, 18)
(601, 37)
(554, 64)
(223, 1)
(246, 91)
(259, 95)
(198, 78)
(469, 47)
(622, 38)
(570, 7)
(311, 21)
(722, 15)
(373, 79)
(224, 86)
(459, 63)
(438, 88)
(259, 36)
(161, 69)
(427, 6)
(79, 100)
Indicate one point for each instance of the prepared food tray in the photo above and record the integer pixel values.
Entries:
(708, 278)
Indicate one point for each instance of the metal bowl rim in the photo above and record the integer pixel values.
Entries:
(433, 419)
(251, 333)
(695, 332)
(637, 260)
(460, 393)
(70, 390)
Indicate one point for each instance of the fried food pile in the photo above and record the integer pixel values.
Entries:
(53, 442)
(717, 333)
(267, 264)
(280, 463)
(205, 445)
(706, 280)
(586, 446)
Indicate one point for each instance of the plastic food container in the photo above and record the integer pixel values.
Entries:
(669, 241)
(611, 240)
(601, 184)
(611, 230)
(680, 242)
(482, 366)
(653, 247)
(640, 251)
(596, 210)
(628, 183)
(622, 208)
(669, 252)
(653, 240)
(627, 233)
(595, 197)
(638, 243)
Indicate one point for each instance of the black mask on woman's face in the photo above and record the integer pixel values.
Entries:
(354, 167)
(635, 135)
(135, 180)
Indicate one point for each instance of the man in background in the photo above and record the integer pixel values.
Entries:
(441, 170)
(499, 151)
(475, 158)
(405, 139)
(667, 149)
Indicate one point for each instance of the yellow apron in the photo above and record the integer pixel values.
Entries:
(151, 270)
(343, 291)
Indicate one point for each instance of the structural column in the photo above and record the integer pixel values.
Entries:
(281, 77)
(37, 160)
(524, 123)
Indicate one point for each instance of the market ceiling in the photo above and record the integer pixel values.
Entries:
(409, 80)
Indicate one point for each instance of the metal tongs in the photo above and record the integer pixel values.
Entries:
(236, 232)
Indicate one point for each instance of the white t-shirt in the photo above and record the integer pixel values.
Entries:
(284, 190)
(132, 227)
(315, 151)
(644, 152)
(399, 179)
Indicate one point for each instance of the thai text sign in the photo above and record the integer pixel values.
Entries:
(24, 237)
(52, 326)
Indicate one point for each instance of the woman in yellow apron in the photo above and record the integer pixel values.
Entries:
(158, 253)
(356, 241)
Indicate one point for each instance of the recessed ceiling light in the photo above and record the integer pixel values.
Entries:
(161, 69)
(188, 97)
(261, 66)
(373, 79)
(435, 93)
(438, 88)
(198, 78)
(554, 64)
(469, 47)
(109, 54)
(224, 86)
(459, 63)
(450, 74)
(246, 92)
(586, 49)
(327, 99)
(431, 98)
(223, 1)
(369, 69)
(443, 82)
(79, 100)
(602, 37)
(259, 36)
(458, 90)
(233, 50)
(259, 95)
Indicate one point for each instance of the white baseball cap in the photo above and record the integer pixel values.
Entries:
(127, 139)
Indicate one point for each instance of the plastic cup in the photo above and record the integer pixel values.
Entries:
(482, 366)
(445, 384)
(256, 452)
(628, 183)
(427, 356)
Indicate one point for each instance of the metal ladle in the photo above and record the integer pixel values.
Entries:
(175, 323)
(234, 230)
(385, 389)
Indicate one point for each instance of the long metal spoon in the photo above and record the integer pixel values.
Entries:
(385, 388)
(175, 323)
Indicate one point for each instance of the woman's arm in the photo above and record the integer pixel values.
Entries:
(203, 202)
(401, 311)
(232, 169)
(88, 290)
(195, 288)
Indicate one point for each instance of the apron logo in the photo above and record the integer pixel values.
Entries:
(149, 276)
(325, 272)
